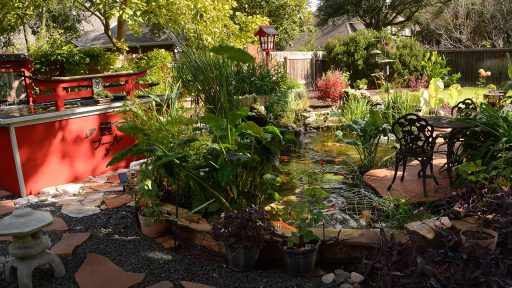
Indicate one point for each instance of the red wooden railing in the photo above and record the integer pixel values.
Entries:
(61, 87)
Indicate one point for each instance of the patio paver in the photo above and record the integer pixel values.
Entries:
(187, 284)
(68, 243)
(163, 284)
(58, 225)
(99, 271)
(411, 189)
(6, 206)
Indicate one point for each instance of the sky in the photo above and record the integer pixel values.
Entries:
(313, 4)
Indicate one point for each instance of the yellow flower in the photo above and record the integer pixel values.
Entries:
(488, 73)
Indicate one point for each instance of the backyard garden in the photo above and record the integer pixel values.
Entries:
(249, 186)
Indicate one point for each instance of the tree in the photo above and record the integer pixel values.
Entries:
(290, 16)
(204, 23)
(375, 14)
(37, 18)
(127, 13)
(468, 24)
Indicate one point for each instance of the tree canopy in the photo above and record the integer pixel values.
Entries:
(375, 14)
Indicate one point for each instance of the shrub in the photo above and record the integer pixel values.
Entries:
(54, 57)
(99, 61)
(246, 228)
(417, 83)
(284, 106)
(407, 54)
(159, 62)
(331, 86)
(352, 53)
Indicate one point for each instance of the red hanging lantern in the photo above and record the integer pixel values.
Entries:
(267, 36)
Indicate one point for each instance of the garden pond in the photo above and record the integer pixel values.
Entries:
(323, 173)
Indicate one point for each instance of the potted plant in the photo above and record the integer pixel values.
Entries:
(300, 250)
(102, 97)
(243, 233)
(483, 237)
(147, 199)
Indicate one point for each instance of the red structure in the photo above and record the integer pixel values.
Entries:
(40, 150)
(59, 89)
(267, 36)
(17, 63)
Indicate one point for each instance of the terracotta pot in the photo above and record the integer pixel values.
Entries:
(152, 228)
(489, 244)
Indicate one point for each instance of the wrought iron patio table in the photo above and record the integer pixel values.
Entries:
(456, 135)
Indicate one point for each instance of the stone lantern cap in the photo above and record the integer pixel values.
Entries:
(24, 221)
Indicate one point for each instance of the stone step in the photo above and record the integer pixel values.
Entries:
(4, 194)
(68, 243)
(98, 271)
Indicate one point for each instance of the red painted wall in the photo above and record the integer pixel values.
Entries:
(8, 176)
(64, 151)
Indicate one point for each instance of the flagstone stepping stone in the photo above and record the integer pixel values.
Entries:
(118, 201)
(166, 241)
(466, 223)
(163, 284)
(426, 227)
(6, 238)
(50, 191)
(5, 194)
(68, 243)
(79, 210)
(71, 188)
(187, 284)
(99, 271)
(58, 225)
(93, 200)
(26, 200)
(6, 206)
(65, 200)
(114, 179)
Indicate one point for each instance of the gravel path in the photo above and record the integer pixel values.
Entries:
(115, 235)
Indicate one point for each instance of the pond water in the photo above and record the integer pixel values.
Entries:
(322, 162)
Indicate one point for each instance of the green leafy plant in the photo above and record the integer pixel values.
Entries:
(367, 138)
(242, 160)
(355, 106)
(245, 228)
(102, 94)
(434, 66)
(397, 104)
(303, 220)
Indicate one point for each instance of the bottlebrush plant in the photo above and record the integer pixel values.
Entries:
(331, 86)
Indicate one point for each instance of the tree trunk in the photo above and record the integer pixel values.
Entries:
(26, 36)
(42, 33)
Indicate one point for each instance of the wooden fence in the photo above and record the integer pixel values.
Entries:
(468, 61)
(303, 67)
(306, 67)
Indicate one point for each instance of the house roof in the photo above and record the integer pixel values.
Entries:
(93, 36)
(339, 27)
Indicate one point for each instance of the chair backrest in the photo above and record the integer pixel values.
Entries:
(464, 108)
(414, 134)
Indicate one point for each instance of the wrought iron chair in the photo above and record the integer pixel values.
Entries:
(415, 137)
(466, 109)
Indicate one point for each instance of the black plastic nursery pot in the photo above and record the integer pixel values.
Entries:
(242, 258)
(300, 261)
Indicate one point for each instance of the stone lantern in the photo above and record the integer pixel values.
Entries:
(29, 248)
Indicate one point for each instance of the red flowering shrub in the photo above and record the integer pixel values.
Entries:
(331, 86)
